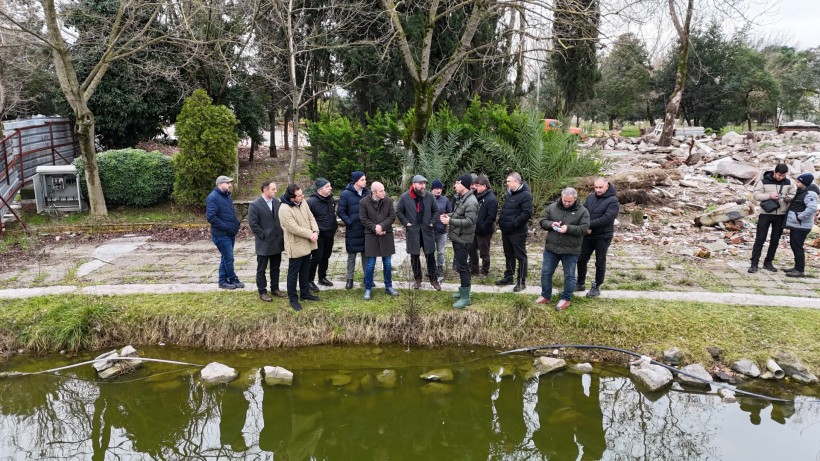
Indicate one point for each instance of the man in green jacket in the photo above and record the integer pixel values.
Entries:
(462, 222)
(566, 223)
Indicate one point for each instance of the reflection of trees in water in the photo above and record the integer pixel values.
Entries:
(657, 426)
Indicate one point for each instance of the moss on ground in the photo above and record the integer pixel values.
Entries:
(238, 320)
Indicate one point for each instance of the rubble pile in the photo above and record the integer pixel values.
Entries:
(695, 197)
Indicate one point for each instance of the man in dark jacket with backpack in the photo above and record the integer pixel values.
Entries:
(603, 208)
(323, 207)
(220, 213)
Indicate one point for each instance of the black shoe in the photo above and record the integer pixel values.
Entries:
(325, 282)
(791, 269)
(581, 287)
(769, 267)
(752, 269)
(349, 284)
(296, 306)
(238, 284)
(795, 274)
(505, 281)
(227, 286)
(520, 287)
(594, 292)
(309, 297)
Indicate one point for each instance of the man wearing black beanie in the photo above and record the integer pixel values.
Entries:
(462, 222)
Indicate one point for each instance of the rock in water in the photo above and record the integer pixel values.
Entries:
(216, 372)
(387, 379)
(441, 374)
(653, 377)
(275, 376)
(703, 379)
(544, 365)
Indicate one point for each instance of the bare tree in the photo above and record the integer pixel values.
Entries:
(683, 30)
(134, 26)
(295, 37)
(20, 60)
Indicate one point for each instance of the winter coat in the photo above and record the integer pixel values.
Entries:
(324, 212)
(221, 214)
(371, 213)
(575, 217)
(418, 231)
(487, 211)
(463, 218)
(444, 207)
(269, 237)
(516, 211)
(602, 213)
(802, 208)
(348, 210)
(299, 225)
(769, 184)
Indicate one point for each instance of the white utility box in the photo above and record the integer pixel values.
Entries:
(57, 188)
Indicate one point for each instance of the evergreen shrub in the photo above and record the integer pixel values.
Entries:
(207, 142)
(132, 177)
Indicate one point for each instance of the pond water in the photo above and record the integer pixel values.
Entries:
(165, 412)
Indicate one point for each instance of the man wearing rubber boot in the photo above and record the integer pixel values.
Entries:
(462, 222)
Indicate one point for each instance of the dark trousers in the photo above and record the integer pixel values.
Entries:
(298, 269)
(262, 266)
(415, 261)
(460, 261)
(480, 246)
(515, 249)
(797, 237)
(320, 257)
(599, 247)
(764, 222)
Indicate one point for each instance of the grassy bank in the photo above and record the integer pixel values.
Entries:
(238, 321)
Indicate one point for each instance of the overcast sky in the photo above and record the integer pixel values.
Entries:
(796, 20)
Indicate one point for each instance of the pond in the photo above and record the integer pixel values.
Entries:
(164, 411)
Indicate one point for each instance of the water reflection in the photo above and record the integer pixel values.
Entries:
(161, 413)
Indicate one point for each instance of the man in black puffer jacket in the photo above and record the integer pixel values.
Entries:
(323, 207)
(603, 208)
(514, 224)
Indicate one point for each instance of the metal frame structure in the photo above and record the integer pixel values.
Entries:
(34, 143)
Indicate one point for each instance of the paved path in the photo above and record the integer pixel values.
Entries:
(137, 264)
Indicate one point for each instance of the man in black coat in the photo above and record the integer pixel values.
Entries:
(323, 207)
(514, 224)
(417, 211)
(348, 210)
(485, 226)
(269, 240)
(603, 208)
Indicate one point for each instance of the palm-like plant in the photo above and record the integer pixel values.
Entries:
(439, 154)
(547, 160)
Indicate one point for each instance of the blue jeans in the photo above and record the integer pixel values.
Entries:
(370, 267)
(224, 244)
(548, 266)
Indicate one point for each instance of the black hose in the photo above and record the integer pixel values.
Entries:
(654, 362)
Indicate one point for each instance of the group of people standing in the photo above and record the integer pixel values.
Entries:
(304, 228)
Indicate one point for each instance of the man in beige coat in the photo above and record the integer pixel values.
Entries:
(301, 234)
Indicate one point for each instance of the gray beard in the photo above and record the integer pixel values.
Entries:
(420, 193)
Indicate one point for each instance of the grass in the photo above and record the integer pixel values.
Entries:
(630, 131)
(161, 214)
(238, 321)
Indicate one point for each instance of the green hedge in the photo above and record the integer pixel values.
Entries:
(132, 177)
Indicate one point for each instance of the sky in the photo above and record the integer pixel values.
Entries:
(796, 20)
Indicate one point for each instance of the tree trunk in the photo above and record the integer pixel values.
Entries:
(294, 148)
(272, 122)
(680, 77)
(611, 122)
(285, 131)
(253, 149)
(84, 127)
(422, 111)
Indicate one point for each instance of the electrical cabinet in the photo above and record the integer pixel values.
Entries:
(57, 188)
